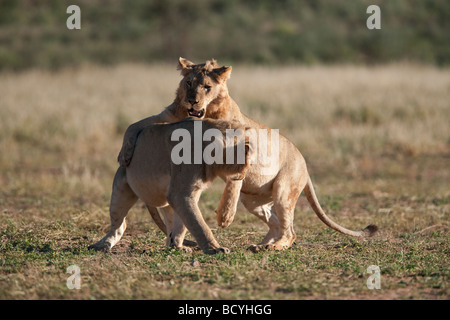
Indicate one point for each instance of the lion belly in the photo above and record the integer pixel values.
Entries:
(150, 188)
(149, 171)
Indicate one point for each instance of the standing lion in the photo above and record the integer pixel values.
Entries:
(203, 93)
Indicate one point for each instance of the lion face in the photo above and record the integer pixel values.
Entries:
(202, 84)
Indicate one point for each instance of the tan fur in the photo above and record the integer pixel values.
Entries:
(155, 179)
(271, 198)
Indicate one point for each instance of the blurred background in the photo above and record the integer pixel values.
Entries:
(33, 32)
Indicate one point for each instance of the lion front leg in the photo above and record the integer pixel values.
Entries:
(228, 203)
(176, 231)
(185, 205)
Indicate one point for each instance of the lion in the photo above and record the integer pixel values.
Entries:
(154, 177)
(203, 93)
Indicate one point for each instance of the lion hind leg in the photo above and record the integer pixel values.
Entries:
(257, 206)
(285, 199)
(280, 217)
(122, 199)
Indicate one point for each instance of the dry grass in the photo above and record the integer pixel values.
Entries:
(376, 140)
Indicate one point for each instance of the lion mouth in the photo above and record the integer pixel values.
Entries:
(196, 113)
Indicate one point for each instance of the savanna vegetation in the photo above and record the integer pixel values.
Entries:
(34, 33)
(377, 144)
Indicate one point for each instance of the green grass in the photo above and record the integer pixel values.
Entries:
(321, 266)
(410, 251)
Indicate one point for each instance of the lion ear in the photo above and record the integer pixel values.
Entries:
(222, 74)
(185, 66)
(214, 63)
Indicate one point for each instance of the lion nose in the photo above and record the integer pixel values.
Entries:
(193, 102)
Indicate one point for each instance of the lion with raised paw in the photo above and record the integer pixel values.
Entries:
(272, 196)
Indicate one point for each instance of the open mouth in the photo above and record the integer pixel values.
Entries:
(196, 113)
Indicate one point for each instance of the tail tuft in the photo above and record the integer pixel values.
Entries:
(370, 230)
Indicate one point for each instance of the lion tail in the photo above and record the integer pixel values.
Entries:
(157, 218)
(314, 202)
(162, 226)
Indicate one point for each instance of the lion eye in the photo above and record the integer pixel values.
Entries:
(207, 88)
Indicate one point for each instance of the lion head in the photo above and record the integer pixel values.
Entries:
(202, 85)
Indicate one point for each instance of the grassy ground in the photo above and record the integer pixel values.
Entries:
(376, 140)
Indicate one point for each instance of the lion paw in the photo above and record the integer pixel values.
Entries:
(257, 247)
(189, 243)
(275, 247)
(224, 217)
(185, 249)
(217, 250)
